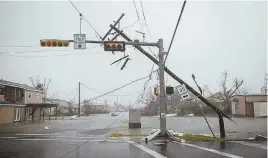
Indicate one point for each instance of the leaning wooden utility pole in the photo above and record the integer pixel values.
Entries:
(218, 111)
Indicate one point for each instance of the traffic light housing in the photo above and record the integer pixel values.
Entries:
(169, 90)
(54, 43)
(114, 46)
(156, 91)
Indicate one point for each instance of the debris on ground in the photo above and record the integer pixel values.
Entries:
(72, 117)
(163, 142)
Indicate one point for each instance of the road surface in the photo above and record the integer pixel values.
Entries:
(86, 137)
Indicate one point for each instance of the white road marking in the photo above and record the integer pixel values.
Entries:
(149, 151)
(36, 134)
(76, 140)
(8, 137)
(210, 150)
(55, 136)
(251, 144)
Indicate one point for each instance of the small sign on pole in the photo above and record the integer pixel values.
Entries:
(182, 89)
(183, 92)
(163, 115)
(79, 41)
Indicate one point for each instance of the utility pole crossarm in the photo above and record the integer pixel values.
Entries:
(111, 28)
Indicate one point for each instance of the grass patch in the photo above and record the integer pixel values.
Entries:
(125, 122)
(189, 137)
(126, 135)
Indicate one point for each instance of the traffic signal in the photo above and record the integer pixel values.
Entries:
(169, 90)
(54, 43)
(156, 91)
(114, 46)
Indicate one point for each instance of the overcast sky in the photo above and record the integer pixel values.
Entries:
(212, 37)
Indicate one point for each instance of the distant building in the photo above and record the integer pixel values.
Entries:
(63, 107)
(19, 103)
(247, 105)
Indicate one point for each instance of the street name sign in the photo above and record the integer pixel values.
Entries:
(79, 41)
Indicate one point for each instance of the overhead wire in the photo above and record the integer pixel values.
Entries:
(142, 26)
(145, 19)
(107, 95)
(19, 46)
(70, 93)
(85, 20)
(123, 28)
(103, 108)
(174, 33)
(116, 89)
(13, 54)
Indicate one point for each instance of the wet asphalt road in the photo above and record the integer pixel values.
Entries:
(87, 137)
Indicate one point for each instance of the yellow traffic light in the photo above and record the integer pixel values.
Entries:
(54, 43)
(156, 91)
(114, 46)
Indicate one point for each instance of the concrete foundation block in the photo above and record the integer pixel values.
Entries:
(134, 125)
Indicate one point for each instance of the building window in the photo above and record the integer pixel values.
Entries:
(19, 93)
(28, 113)
(13, 91)
(2, 90)
(37, 95)
(16, 114)
(30, 94)
(22, 93)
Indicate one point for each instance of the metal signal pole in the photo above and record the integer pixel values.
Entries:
(162, 89)
(79, 99)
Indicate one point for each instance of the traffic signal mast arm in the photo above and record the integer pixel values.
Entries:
(126, 43)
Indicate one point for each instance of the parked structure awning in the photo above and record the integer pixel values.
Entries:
(45, 105)
(11, 105)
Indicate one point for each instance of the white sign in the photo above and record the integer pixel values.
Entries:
(183, 92)
(163, 115)
(182, 89)
(79, 41)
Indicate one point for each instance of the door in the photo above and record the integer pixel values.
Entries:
(250, 109)
(233, 108)
(16, 114)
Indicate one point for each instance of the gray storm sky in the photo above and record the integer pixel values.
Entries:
(212, 37)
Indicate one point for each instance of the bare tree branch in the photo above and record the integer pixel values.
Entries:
(35, 81)
(237, 85)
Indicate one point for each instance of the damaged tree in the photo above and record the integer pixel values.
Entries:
(87, 107)
(227, 93)
(43, 86)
